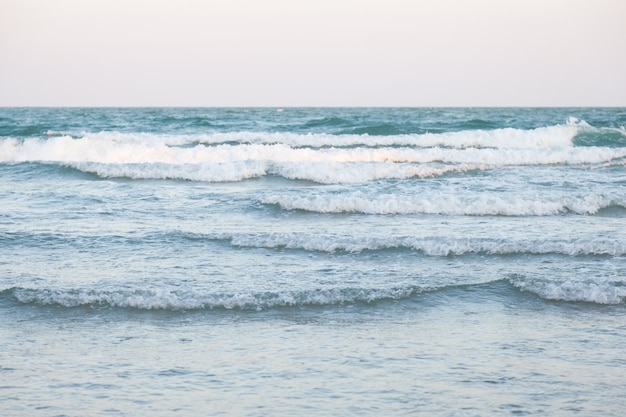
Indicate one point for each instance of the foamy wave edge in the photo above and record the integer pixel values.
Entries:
(319, 172)
(473, 205)
(548, 136)
(586, 291)
(430, 246)
(161, 299)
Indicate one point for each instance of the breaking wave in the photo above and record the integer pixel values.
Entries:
(588, 291)
(447, 204)
(161, 299)
(340, 243)
(323, 158)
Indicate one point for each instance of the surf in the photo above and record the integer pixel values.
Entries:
(607, 292)
(321, 158)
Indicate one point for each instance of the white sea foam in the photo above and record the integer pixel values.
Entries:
(218, 172)
(68, 150)
(550, 136)
(591, 291)
(325, 168)
(475, 204)
(321, 158)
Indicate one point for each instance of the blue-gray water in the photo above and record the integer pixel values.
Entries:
(296, 261)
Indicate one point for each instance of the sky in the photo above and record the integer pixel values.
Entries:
(312, 53)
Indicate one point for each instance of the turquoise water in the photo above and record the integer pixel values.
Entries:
(312, 261)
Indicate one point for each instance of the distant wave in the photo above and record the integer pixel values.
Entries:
(326, 122)
(381, 129)
(551, 136)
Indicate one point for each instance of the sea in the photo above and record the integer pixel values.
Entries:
(312, 261)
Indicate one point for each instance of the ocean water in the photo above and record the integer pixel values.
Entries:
(312, 261)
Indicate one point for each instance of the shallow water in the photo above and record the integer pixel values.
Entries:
(312, 261)
(463, 351)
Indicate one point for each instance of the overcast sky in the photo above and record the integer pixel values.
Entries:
(312, 53)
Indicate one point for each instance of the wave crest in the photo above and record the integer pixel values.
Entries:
(161, 299)
(601, 291)
(322, 158)
(429, 246)
(445, 204)
(589, 291)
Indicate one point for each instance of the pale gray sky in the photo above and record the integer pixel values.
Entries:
(312, 53)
